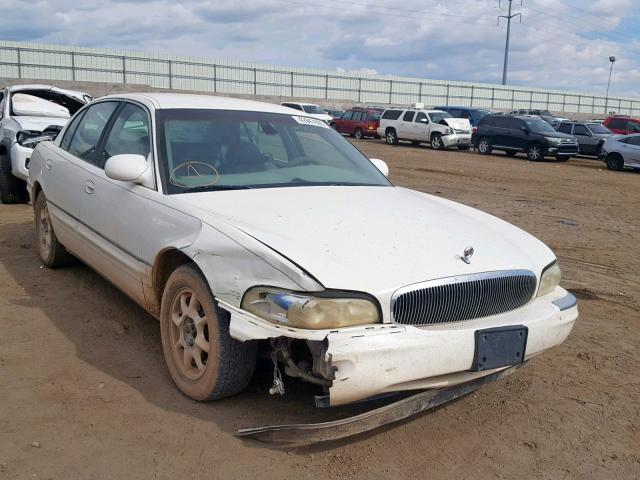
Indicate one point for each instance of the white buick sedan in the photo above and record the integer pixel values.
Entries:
(242, 224)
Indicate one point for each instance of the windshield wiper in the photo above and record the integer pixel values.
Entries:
(214, 188)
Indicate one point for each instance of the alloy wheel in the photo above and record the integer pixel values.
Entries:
(189, 334)
(45, 237)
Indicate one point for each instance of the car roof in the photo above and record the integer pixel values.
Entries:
(305, 104)
(161, 101)
(463, 108)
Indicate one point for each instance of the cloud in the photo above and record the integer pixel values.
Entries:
(560, 44)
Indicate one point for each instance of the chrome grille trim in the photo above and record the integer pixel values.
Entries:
(463, 297)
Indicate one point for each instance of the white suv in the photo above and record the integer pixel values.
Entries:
(436, 127)
(310, 109)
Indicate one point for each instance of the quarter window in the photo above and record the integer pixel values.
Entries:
(129, 134)
(391, 114)
(89, 130)
(408, 116)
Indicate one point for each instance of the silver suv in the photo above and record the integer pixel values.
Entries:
(590, 135)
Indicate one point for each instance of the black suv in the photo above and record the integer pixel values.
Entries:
(521, 133)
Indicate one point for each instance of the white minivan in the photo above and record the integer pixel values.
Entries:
(418, 125)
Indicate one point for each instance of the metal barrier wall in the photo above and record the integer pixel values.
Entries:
(57, 62)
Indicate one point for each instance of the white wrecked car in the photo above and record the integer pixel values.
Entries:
(239, 224)
(27, 113)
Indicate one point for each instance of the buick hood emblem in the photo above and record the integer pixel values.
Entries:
(467, 254)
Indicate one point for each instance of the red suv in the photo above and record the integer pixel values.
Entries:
(622, 124)
(359, 122)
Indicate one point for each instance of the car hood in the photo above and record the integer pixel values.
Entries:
(458, 123)
(39, 123)
(556, 135)
(372, 239)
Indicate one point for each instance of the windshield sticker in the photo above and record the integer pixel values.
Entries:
(310, 121)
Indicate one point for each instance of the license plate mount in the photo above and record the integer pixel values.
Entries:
(499, 347)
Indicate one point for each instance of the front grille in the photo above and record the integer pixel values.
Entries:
(464, 297)
(457, 130)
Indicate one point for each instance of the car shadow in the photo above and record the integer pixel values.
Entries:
(114, 335)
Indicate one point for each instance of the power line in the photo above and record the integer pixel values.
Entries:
(509, 16)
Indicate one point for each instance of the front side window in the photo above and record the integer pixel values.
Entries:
(129, 134)
(633, 127)
(598, 128)
(421, 117)
(221, 150)
(89, 130)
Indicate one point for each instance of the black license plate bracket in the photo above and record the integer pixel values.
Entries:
(499, 347)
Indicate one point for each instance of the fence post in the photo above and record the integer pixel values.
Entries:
(170, 74)
(579, 102)
(530, 99)
(359, 89)
(124, 69)
(19, 63)
(547, 100)
(493, 96)
(564, 102)
(619, 105)
(255, 81)
(73, 66)
(326, 86)
(447, 96)
(390, 90)
(292, 83)
(513, 99)
(215, 78)
(631, 108)
(420, 92)
(471, 96)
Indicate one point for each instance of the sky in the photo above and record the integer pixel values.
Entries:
(564, 44)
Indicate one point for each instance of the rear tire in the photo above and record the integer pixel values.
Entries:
(358, 134)
(12, 189)
(484, 146)
(52, 252)
(390, 136)
(615, 162)
(436, 142)
(204, 361)
(535, 153)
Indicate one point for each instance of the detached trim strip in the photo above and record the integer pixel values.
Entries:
(566, 302)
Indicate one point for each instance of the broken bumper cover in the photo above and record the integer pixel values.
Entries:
(390, 357)
(457, 139)
(20, 161)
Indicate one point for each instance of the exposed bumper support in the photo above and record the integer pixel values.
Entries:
(296, 435)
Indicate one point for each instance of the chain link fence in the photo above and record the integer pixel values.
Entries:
(77, 64)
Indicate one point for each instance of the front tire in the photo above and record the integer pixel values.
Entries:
(12, 189)
(436, 142)
(535, 152)
(615, 162)
(204, 361)
(52, 252)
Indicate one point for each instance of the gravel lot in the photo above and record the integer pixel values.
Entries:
(84, 392)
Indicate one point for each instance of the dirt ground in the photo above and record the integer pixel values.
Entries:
(84, 392)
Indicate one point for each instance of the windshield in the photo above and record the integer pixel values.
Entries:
(438, 117)
(480, 114)
(222, 149)
(538, 125)
(312, 109)
(598, 128)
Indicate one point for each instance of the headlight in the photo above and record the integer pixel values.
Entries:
(550, 279)
(555, 140)
(301, 310)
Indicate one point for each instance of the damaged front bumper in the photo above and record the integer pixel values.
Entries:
(20, 157)
(457, 140)
(377, 359)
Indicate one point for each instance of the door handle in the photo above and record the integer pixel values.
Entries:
(48, 164)
(89, 187)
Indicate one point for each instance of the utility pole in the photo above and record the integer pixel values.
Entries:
(606, 102)
(509, 16)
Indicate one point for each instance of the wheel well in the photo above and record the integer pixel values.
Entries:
(166, 262)
(614, 155)
(389, 128)
(36, 191)
(436, 134)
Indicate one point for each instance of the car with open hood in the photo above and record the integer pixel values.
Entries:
(27, 113)
(246, 226)
(418, 125)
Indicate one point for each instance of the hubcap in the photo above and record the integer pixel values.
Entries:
(535, 153)
(390, 137)
(436, 142)
(189, 334)
(45, 231)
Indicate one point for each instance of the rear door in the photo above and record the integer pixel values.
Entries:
(631, 152)
(407, 129)
(513, 135)
(355, 121)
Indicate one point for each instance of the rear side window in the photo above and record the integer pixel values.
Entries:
(347, 115)
(90, 127)
(512, 123)
(618, 123)
(634, 141)
(488, 121)
(580, 130)
(357, 116)
(391, 114)
(68, 134)
(408, 116)
(565, 128)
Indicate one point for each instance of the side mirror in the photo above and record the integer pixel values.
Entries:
(525, 129)
(424, 120)
(126, 167)
(381, 165)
